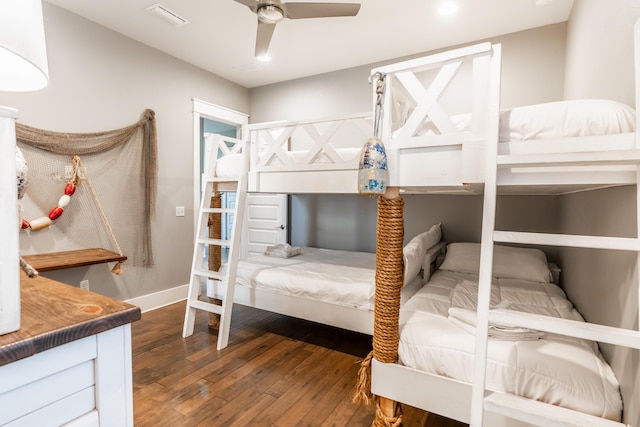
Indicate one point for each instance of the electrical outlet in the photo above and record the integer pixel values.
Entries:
(84, 284)
(179, 210)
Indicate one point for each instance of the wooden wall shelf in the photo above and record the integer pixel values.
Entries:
(70, 259)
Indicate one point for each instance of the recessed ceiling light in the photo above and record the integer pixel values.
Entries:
(263, 58)
(448, 8)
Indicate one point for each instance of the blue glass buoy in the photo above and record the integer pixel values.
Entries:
(373, 174)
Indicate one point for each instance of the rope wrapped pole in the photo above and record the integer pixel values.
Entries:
(389, 280)
(372, 179)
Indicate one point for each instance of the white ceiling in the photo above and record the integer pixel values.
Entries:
(220, 37)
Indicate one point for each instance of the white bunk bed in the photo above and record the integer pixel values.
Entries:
(430, 150)
(433, 150)
(332, 287)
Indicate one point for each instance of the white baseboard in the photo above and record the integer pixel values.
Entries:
(160, 299)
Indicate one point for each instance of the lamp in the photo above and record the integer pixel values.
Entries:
(23, 67)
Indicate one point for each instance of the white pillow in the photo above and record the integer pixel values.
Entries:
(414, 251)
(431, 236)
(579, 117)
(508, 261)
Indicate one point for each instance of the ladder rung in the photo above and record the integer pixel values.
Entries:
(217, 210)
(540, 413)
(574, 328)
(218, 179)
(569, 240)
(210, 274)
(206, 306)
(216, 242)
(617, 157)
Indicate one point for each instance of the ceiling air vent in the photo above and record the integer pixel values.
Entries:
(166, 14)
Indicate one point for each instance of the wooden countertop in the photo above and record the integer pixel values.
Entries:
(53, 314)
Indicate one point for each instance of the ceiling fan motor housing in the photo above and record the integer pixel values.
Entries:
(270, 13)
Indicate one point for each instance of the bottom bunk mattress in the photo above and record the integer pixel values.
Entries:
(345, 278)
(563, 371)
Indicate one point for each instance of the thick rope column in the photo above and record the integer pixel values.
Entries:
(214, 224)
(389, 280)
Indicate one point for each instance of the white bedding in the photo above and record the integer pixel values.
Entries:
(561, 119)
(560, 370)
(340, 277)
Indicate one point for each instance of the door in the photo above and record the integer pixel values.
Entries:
(265, 222)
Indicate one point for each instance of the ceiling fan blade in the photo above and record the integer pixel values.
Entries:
(251, 4)
(318, 10)
(263, 37)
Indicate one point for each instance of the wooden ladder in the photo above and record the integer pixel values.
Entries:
(200, 272)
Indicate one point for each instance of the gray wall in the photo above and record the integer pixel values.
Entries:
(349, 221)
(602, 283)
(535, 55)
(101, 80)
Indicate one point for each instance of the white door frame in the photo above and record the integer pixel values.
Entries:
(220, 114)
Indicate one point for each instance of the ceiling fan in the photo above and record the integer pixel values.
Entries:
(270, 12)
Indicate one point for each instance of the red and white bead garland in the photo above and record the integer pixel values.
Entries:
(45, 221)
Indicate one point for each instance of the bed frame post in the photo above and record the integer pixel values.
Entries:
(214, 224)
(389, 279)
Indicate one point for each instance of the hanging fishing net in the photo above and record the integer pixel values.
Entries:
(114, 173)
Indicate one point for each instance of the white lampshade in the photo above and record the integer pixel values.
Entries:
(23, 53)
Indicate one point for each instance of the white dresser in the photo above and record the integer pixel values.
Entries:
(70, 362)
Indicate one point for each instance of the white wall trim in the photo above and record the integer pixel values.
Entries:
(220, 114)
(215, 112)
(160, 299)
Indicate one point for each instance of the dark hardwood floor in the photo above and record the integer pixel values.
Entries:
(276, 371)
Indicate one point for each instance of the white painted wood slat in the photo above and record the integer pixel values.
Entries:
(620, 157)
(542, 414)
(590, 331)
(569, 240)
